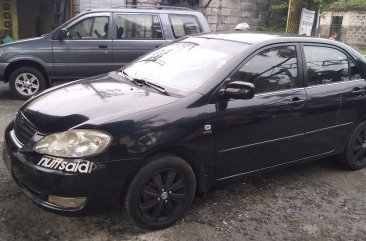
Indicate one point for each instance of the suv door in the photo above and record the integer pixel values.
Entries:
(266, 130)
(136, 35)
(87, 48)
(335, 92)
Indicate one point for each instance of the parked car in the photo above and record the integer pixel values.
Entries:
(200, 111)
(92, 43)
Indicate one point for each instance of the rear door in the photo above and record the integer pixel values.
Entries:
(136, 35)
(87, 49)
(336, 93)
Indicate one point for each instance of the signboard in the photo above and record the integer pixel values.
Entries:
(306, 22)
(9, 17)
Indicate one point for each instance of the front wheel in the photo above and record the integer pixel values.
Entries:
(160, 192)
(25, 82)
(356, 148)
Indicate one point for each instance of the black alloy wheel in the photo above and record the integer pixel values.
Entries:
(160, 192)
(356, 149)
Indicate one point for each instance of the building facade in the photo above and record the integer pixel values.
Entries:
(350, 27)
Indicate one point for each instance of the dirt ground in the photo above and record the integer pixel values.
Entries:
(315, 201)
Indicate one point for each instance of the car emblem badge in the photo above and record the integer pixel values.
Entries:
(207, 129)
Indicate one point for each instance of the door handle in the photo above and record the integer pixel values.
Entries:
(358, 91)
(296, 100)
(102, 46)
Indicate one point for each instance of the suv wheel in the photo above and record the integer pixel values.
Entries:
(25, 82)
(160, 192)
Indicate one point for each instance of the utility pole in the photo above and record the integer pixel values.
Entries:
(293, 16)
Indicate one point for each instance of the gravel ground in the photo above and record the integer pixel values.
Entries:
(315, 201)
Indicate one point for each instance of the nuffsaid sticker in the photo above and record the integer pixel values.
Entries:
(60, 164)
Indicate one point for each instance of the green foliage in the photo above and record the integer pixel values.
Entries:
(280, 5)
(278, 28)
(309, 4)
(277, 22)
(348, 5)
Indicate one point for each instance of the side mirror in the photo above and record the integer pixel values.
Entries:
(63, 34)
(239, 90)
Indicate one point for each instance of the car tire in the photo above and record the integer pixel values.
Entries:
(25, 82)
(355, 155)
(161, 191)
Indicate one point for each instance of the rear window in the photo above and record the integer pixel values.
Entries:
(184, 25)
(138, 26)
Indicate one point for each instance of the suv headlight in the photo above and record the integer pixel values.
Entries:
(73, 143)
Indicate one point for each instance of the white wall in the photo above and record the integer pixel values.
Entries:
(93, 4)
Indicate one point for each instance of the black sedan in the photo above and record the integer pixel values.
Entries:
(203, 110)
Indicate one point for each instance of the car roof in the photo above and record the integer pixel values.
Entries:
(148, 9)
(258, 37)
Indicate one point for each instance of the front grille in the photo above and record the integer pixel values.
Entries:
(23, 129)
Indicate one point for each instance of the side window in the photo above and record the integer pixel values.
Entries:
(138, 26)
(355, 72)
(270, 70)
(184, 25)
(89, 28)
(326, 65)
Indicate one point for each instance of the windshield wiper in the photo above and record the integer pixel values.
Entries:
(157, 87)
(139, 82)
(124, 74)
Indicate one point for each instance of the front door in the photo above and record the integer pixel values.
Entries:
(87, 49)
(267, 130)
(137, 34)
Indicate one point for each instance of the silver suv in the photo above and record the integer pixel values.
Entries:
(92, 43)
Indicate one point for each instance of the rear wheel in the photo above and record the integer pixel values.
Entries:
(356, 148)
(25, 82)
(160, 192)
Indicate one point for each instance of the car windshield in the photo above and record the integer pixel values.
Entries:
(183, 66)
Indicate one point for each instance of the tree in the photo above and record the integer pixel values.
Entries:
(293, 17)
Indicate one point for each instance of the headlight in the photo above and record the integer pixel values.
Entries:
(1, 52)
(73, 143)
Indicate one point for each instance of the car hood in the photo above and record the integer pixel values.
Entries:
(91, 101)
(21, 42)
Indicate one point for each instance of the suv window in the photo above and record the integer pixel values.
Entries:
(183, 25)
(89, 28)
(138, 26)
(327, 65)
(270, 70)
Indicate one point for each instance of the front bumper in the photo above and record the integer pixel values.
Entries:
(102, 186)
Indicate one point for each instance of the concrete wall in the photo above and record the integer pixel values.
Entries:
(353, 31)
(226, 14)
(93, 4)
(76, 7)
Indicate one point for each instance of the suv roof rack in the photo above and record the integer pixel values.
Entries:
(159, 7)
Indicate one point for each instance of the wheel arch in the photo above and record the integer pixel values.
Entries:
(189, 155)
(26, 63)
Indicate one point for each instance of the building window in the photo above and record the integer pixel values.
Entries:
(336, 26)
